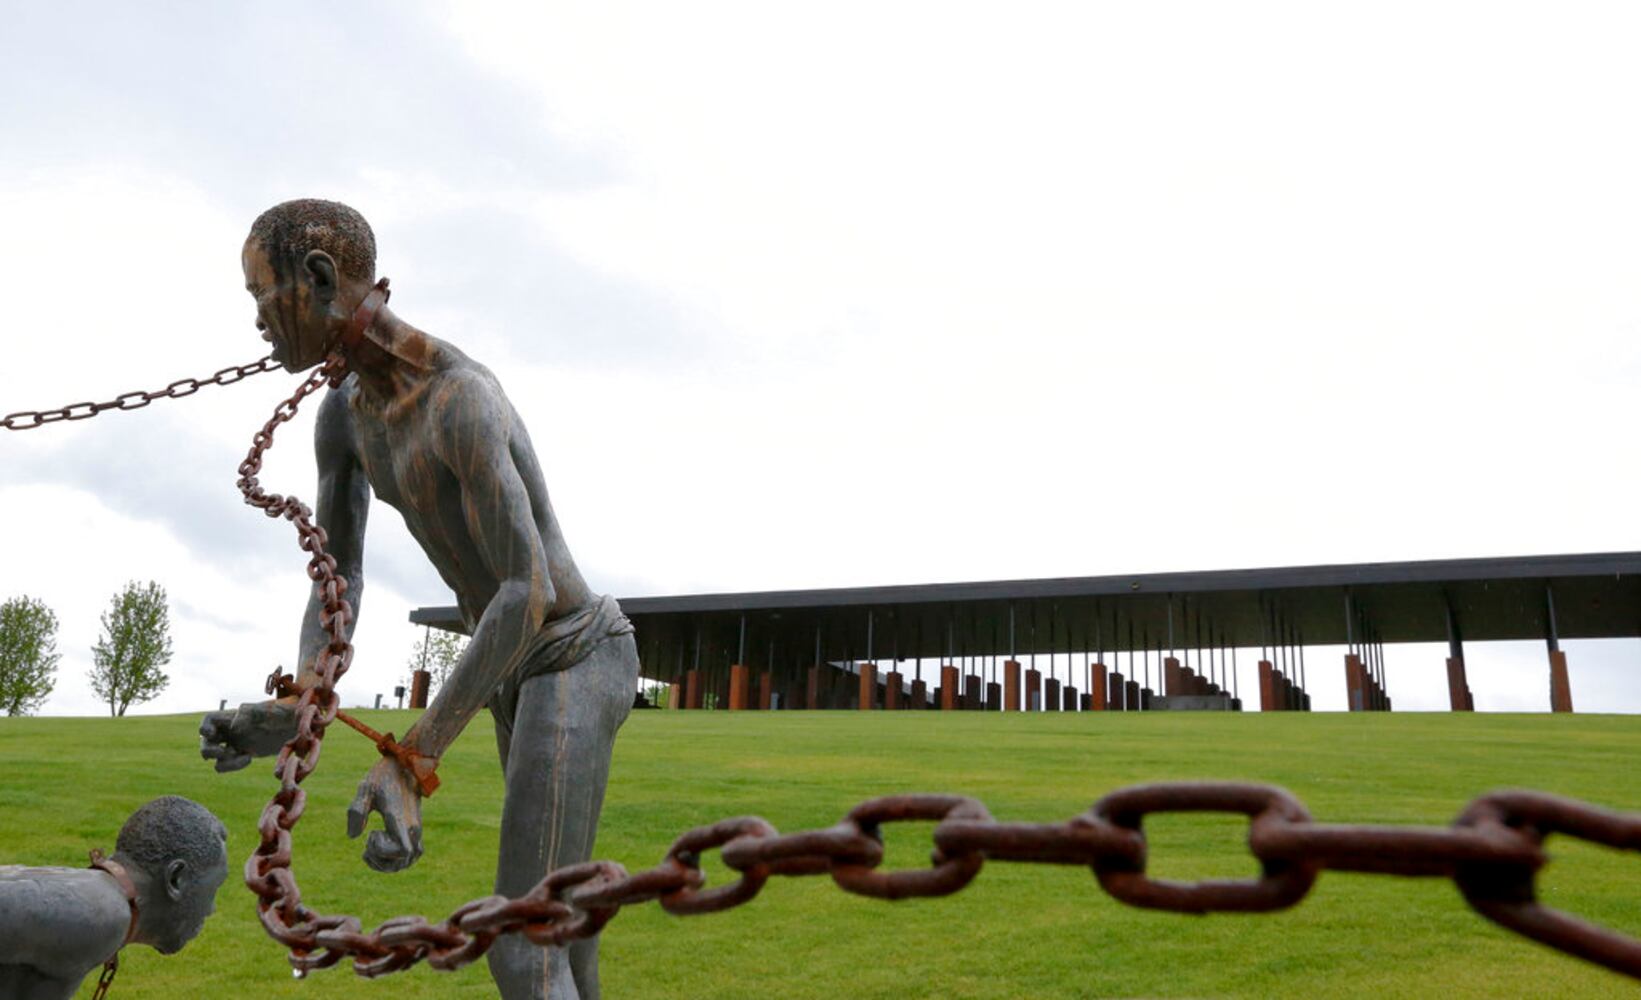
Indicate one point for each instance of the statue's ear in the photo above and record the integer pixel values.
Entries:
(176, 872)
(321, 271)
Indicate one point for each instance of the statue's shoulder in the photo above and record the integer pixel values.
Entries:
(23, 874)
(466, 385)
(60, 920)
(19, 882)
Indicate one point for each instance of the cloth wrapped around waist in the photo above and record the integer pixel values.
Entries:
(564, 642)
(561, 644)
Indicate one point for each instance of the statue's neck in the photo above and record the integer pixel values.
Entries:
(392, 360)
(142, 886)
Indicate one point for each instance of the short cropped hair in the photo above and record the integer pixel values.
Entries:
(290, 229)
(172, 827)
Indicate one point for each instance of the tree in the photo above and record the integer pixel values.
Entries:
(437, 652)
(135, 644)
(28, 654)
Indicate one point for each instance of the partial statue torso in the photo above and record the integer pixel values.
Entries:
(406, 450)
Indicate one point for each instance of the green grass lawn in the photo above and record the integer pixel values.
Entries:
(1018, 931)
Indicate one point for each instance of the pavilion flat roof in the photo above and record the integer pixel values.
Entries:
(1593, 596)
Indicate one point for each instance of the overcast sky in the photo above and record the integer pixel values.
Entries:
(842, 294)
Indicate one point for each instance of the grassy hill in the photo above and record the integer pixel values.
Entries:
(1018, 931)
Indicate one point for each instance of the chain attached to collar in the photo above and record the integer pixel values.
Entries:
(122, 878)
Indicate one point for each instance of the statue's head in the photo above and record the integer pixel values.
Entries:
(308, 263)
(183, 851)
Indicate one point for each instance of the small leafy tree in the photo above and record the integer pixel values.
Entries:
(437, 652)
(135, 645)
(28, 654)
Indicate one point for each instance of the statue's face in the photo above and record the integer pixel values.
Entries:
(295, 320)
(191, 897)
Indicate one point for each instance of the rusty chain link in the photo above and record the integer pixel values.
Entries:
(27, 420)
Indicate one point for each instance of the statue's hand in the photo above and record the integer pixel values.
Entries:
(388, 790)
(255, 729)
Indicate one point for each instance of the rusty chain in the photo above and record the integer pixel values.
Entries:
(268, 870)
(27, 420)
(1493, 852)
(105, 980)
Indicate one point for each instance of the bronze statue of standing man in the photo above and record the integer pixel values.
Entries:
(431, 433)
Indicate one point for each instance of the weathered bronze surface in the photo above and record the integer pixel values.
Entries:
(57, 924)
(430, 432)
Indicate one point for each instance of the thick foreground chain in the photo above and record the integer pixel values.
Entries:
(25, 420)
(1492, 851)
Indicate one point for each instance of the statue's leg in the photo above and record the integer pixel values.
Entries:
(504, 731)
(557, 763)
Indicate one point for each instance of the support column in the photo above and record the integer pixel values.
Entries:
(692, 689)
(1173, 684)
(420, 682)
(740, 688)
(812, 689)
(868, 686)
(1561, 690)
(1267, 686)
(892, 691)
(1096, 688)
(1011, 686)
(1355, 684)
(1034, 690)
(949, 694)
(1459, 694)
(1458, 688)
(766, 690)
